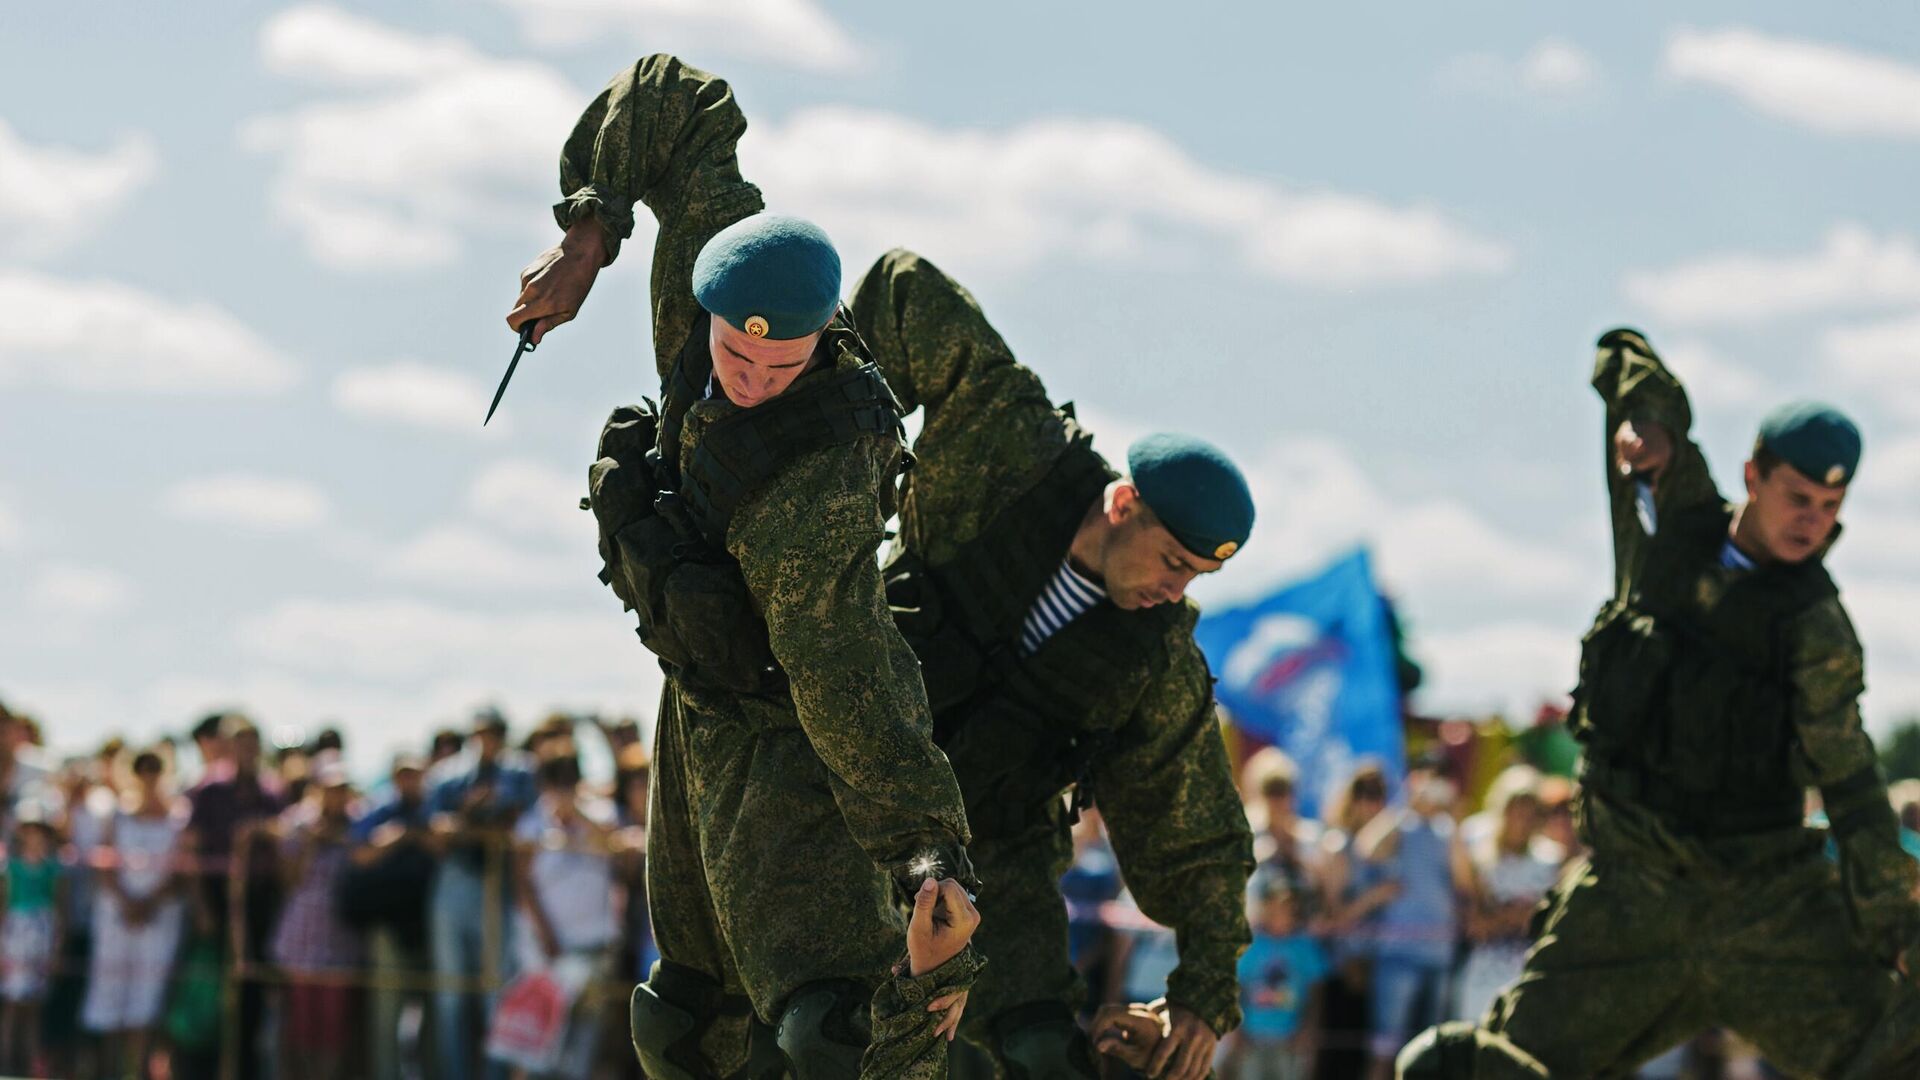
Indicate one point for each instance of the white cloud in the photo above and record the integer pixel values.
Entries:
(1890, 467)
(12, 533)
(1823, 87)
(1852, 270)
(438, 141)
(1714, 381)
(1552, 68)
(1506, 666)
(530, 498)
(1093, 189)
(51, 196)
(1313, 499)
(324, 43)
(264, 503)
(413, 393)
(795, 32)
(104, 336)
(406, 639)
(461, 558)
(1880, 359)
(78, 593)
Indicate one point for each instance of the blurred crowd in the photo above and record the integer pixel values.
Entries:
(222, 893)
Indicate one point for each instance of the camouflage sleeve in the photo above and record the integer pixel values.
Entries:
(661, 133)
(904, 1043)
(1877, 875)
(1166, 794)
(807, 546)
(1636, 385)
(988, 429)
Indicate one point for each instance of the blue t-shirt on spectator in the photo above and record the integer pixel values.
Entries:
(511, 791)
(1277, 977)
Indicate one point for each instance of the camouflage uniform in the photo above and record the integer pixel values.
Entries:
(777, 821)
(1160, 773)
(1670, 927)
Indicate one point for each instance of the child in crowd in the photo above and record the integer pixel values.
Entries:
(32, 902)
(1281, 979)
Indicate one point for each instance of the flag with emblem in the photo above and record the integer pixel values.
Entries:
(1310, 669)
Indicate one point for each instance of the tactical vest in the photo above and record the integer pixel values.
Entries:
(1020, 729)
(1685, 700)
(663, 520)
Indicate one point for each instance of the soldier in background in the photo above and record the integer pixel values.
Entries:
(797, 795)
(1044, 593)
(1720, 680)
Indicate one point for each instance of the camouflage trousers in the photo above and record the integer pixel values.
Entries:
(1630, 960)
(1023, 930)
(752, 876)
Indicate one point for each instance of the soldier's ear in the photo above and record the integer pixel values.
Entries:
(1752, 475)
(1123, 501)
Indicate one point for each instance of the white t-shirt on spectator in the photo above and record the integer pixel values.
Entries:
(573, 884)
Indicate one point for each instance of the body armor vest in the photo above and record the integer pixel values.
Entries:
(663, 515)
(1685, 700)
(1020, 729)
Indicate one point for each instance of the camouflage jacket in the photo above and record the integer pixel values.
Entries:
(1164, 783)
(1832, 749)
(664, 134)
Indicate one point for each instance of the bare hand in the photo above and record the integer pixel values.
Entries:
(1130, 1033)
(1642, 449)
(1187, 1051)
(953, 1005)
(943, 922)
(556, 282)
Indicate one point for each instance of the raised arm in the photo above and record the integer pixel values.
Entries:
(1647, 429)
(663, 134)
(807, 546)
(988, 427)
(1877, 875)
(1180, 834)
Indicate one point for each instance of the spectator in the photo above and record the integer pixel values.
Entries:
(1350, 896)
(1425, 872)
(632, 785)
(210, 741)
(1281, 838)
(29, 928)
(26, 780)
(565, 919)
(385, 895)
(446, 743)
(1905, 797)
(87, 804)
(312, 945)
(139, 914)
(1514, 866)
(1281, 975)
(1556, 810)
(1092, 882)
(474, 799)
(226, 807)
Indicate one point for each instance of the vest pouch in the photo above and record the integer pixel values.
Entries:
(1729, 726)
(1012, 769)
(621, 490)
(708, 611)
(1621, 699)
(646, 560)
(950, 662)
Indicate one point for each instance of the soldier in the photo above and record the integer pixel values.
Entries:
(1044, 595)
(1718, 683)
(797, 797)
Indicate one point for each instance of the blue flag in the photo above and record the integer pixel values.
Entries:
(1310, 669)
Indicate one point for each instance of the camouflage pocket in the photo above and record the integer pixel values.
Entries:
(709, 611)
(1624, 673)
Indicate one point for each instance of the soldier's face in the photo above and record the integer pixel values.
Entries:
(753, 370)
(1144, 565)
(1792, 517)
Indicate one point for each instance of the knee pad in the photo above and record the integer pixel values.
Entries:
(824, 1030)
(1042, 1041)
(669, 1014)
(1438, 1053)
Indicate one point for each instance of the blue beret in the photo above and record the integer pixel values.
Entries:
(1816, 439)
(772, 276)
(1195, 491)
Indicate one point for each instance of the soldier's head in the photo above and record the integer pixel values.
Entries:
(1803, 460)
(1183, 511)
(772, 283)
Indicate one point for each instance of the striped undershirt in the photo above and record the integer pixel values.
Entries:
(1067, 597)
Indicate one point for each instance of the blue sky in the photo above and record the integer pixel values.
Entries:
(253, 262)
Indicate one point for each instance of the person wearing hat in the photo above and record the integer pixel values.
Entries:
(1045, 592)
(1720, 680)
(798, 798)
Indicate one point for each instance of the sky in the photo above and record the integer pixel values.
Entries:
(254, 263)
